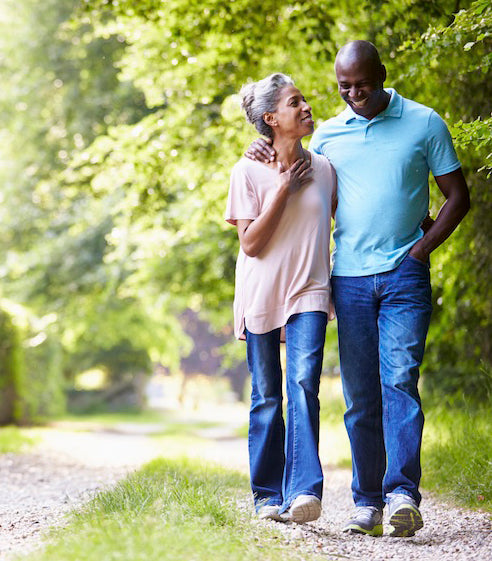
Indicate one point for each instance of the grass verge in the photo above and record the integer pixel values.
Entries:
(14, 440)
(171, 510)
(457, 454)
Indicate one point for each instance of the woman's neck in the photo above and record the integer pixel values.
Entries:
(288, 151)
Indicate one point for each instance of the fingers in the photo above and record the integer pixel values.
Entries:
(250, 153)
(303, 173)
(299, 167)
(266, 145)
(306, 173)
(265, 152)
(306, 178)
(261, 151)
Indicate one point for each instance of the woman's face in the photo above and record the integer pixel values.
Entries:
(293, 114)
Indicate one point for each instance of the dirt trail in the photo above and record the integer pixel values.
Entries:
(68, 467)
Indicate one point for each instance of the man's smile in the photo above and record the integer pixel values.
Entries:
(359, 104)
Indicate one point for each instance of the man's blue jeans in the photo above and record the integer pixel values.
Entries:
(284, 462)
(382, 325)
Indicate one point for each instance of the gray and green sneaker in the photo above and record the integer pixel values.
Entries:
(404, 515)
(366, 520)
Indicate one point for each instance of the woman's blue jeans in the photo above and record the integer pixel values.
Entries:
(382, 326)
(284, 461)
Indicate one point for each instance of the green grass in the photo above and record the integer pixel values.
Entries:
(457, 454)
(171, 511)
(15, 440)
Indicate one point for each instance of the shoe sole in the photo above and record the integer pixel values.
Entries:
(405, 522)
(376, 531)
(305, 512)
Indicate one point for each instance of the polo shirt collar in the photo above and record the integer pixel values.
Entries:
(394, 109)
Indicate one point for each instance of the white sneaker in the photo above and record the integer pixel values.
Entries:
(270, 512)
(404, 515)
(304, 508)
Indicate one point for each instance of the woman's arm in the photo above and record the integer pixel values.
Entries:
(255, 234)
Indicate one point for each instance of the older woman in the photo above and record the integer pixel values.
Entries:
(282, 211)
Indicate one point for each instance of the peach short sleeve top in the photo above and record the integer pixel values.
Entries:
(292, 273)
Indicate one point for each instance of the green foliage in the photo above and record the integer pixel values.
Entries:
(122, 123)
(453, 66)
(476, 135)
(62, 91)
(14, 440)
(42, 394)
(33, 369)
(11, 368)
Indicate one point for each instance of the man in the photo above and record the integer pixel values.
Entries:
(382, 147)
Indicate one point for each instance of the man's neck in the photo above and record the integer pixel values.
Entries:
(384, 102)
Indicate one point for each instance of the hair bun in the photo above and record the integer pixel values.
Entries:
(262, 97)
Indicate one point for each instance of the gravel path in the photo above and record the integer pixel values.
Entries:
(40, 487)
(449, 534)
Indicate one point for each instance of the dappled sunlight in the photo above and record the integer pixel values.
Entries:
(92, 379)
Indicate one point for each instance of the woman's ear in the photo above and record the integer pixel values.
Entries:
(270, 119)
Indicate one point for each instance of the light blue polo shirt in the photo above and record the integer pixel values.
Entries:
(382, 169)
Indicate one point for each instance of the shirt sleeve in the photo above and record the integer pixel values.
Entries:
(441, 155)
(242, 202)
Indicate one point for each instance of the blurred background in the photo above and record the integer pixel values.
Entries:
(120, 125)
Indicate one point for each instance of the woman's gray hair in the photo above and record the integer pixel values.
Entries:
(262, 97)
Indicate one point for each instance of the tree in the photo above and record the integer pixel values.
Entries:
(63, 84)
(454, 65)
(123, 179)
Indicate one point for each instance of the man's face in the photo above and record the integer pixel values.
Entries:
(361, 87)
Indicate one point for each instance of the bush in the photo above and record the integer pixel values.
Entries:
(31, 379)
(11, 368)
(42, 392)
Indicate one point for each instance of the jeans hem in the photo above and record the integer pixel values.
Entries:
(265, 502)
(379, 505)
(401, 492)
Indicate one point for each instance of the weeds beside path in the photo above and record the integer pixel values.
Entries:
(40, 487)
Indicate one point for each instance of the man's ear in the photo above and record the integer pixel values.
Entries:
(270, 119)
(383, 73)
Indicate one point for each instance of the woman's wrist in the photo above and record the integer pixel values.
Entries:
(283, 190)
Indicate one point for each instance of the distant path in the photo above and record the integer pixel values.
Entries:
(40, 487)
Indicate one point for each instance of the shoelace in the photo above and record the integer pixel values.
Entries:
(364, 511)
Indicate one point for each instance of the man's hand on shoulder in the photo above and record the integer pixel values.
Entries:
(261, 150)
